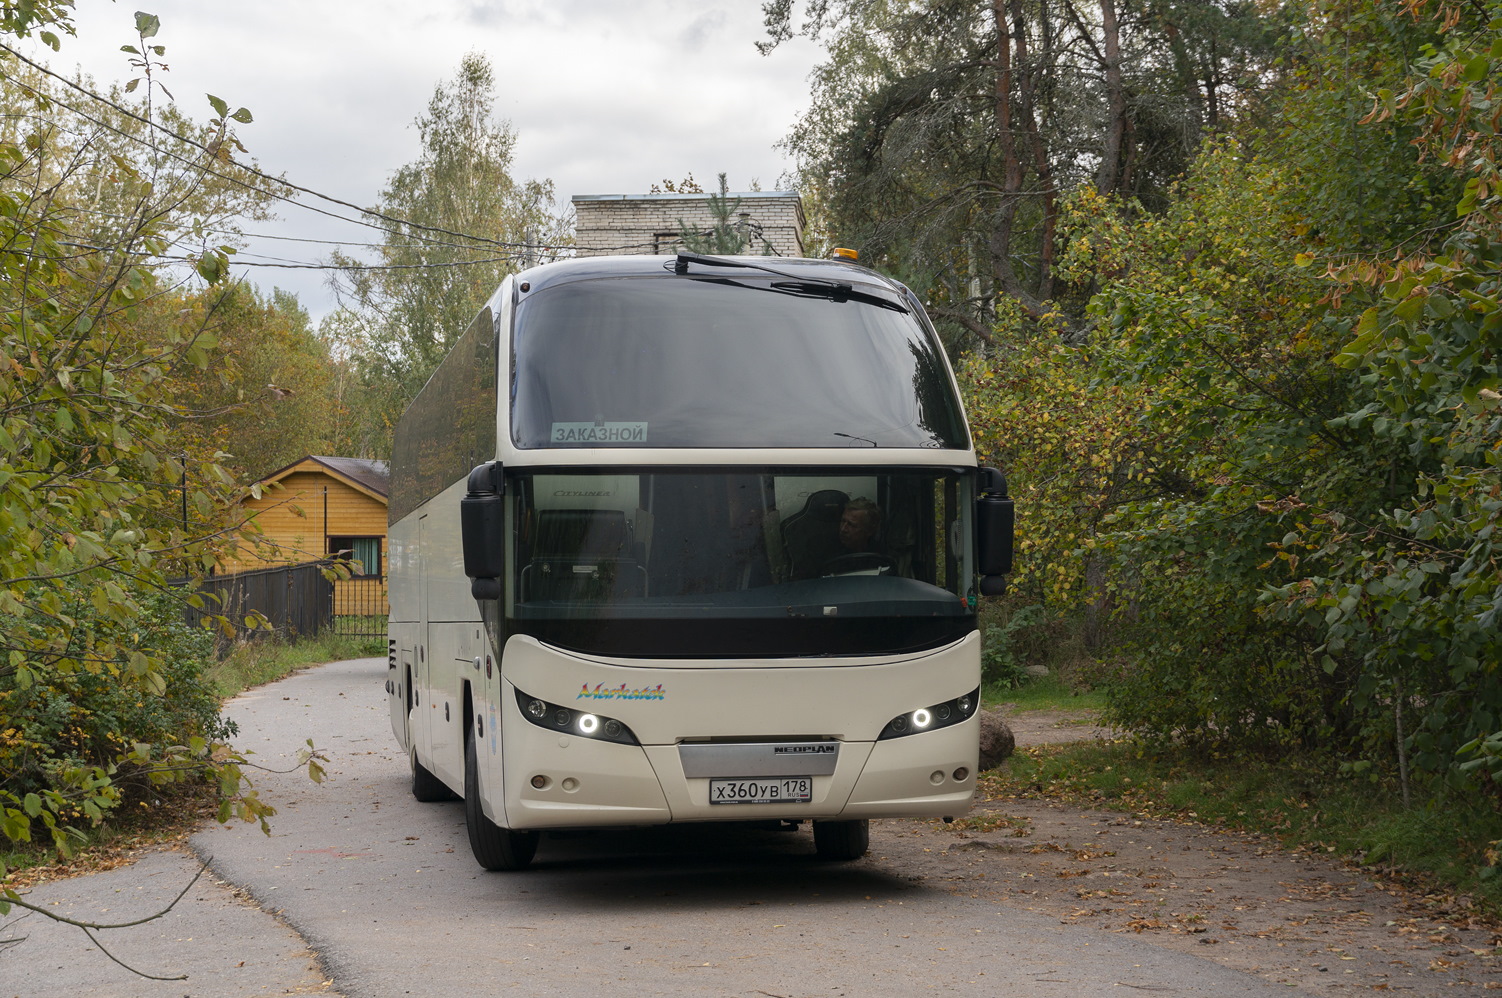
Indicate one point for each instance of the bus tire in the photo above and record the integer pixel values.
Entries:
(842, 841)
(495, 848)
(426, 787)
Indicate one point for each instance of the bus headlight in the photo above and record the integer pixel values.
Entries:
(939, 715)
(555, 717)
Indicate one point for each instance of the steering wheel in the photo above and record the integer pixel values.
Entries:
(858, 563)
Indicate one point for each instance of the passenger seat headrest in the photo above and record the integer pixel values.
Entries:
(826, 504)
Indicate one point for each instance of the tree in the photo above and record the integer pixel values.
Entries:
(466, 224)
(1412, 590)
(1288, 384)
(272, 394)
(728, 233)
(90, 468)
(688, 185)
(944, 134)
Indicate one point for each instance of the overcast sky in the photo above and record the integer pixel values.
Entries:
(606, 96)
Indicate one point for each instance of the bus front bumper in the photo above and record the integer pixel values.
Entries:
(563, 781)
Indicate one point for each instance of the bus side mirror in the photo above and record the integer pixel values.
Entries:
(995, 525)
(482, 526)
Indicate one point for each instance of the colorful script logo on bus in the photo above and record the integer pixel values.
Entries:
(622, 692)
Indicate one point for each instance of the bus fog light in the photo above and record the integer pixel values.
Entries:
(569, 784)
(539, 782)
(588, 723)
(936, 777)
(961, 775)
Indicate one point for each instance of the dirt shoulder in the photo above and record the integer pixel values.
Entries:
(1290, 917)
(1048, 727)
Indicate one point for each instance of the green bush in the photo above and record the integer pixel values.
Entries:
(1008, 647)
(1207, 670)
(50, 730)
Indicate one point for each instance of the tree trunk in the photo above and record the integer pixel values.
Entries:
(1108, 179)
(1098, 610)
(1028, 71)
(1012, 174)
(1011, 184)
(1212, 90)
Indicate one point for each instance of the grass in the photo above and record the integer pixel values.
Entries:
(1018, 638)
(1448, 844)
(254, 663)
(1050, 692)
(358, 626)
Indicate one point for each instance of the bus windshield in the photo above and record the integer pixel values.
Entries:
(741, 562)
(695, 362)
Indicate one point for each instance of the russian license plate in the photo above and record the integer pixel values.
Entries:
(768, 790)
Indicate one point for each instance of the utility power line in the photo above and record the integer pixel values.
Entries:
(526, 248)
(280, 181)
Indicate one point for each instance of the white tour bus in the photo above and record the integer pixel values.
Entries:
(691, 539)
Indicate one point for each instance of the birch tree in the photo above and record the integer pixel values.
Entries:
(456, 223)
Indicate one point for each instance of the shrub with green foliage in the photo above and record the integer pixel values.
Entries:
(96, 683)
(73, 722)
(1272, 449)
(1207, 324)
(1005, 647)
(1409, 590)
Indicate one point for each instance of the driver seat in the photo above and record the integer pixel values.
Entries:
(812, 535)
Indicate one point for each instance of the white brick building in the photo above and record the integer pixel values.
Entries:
(651, 223)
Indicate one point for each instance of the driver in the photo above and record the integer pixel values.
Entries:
(859, 523)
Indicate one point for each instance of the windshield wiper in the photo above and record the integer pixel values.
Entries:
(834, 291)
(680, 266)
(796, 284)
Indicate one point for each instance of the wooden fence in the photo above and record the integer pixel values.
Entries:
(295, 600)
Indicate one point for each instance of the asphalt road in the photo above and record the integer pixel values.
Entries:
(384, 890)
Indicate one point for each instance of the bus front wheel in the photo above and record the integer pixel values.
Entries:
(841, 841)
(495, 848)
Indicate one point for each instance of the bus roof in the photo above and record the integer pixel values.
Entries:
(590, 267)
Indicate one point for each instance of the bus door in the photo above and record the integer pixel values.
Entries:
(487, 733)
(419, 727)
(400, 697)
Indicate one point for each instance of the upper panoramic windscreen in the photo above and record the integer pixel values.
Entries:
(718, 362)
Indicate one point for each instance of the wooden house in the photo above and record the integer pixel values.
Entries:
(324, 507)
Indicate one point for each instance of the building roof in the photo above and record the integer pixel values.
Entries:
(702, 196)
(369, 476)
(654, 223)
(374, 475)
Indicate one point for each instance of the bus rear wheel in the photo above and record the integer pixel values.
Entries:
(495, 848)
(426, 787)
(842, 841)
